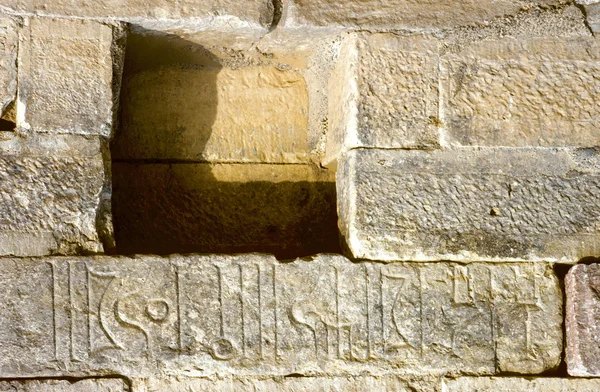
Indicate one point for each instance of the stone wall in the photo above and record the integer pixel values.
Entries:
(291, 195)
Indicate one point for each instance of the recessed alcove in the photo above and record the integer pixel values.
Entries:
(219, 145)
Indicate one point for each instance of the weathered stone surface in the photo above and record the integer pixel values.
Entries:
(513, 384)
(88, 385)
(66, 77)
(287, 210)
(592, 13)
(527, 92)
(582, 320)
(384, 93)
(216, 114)
(8, 63)
(488, 204)
(250, 315)
(50, 194)
(248, 11)
(290, 384)
(405, 13)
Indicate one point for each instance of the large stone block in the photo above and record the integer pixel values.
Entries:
(405, 13)
(88, 385)
(67, 70)
(214, 114)
(251, 315)
(582, 320)
(522, 92)
(384, 93)
(514, 384)
(8, 63)
(50, 198)
(488, 204)
(235, 12)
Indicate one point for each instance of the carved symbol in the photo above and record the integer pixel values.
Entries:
(221, 349)
(530, 301)
(157, 310)
(396, 305)
(101, 311)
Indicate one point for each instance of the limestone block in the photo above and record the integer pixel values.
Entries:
(8, 63)
(489, 204)
(249, 315)
(583, 314)
(288, 210)
(514, 384)
(88, 385)
(384, 93)
(519, 93)
(405, 13)
(215, 114)
(592, 14)
(248, 11)
(66, 77)
(290, 384)
(50, 194)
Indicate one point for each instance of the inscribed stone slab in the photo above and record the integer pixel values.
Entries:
(250, 315)
(519, 93)
(582, 320)
(514, 384)
(487, 204)
(66, 77)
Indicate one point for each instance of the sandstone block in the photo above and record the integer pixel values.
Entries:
(513, 384)
(50, 195)
(215, 114)
(405, 13)
(8, 63)
(88, 385)
(488, 204)
(66, 77)
(519, 93)
(290, 384)
(250, 11)
(248, 315)
(384, 93)
(583, 313)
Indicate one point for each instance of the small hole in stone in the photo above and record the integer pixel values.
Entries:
(7, 126)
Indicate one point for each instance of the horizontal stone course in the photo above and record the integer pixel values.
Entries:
(149, 316)
(88, 385)
(466, 204)
(514, 384)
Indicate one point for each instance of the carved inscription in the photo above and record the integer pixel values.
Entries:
(253, 313)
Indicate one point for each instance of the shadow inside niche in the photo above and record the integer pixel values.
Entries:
(167, 196)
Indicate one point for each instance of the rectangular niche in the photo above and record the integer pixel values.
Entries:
(219, 146)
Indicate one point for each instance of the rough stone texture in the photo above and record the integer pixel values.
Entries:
(384, 94)
(250, 315)
(88, 385)
(66, 77)
(291, 384)
(592, 12)
(399, 14)
(522, 92)
(216, 114)
(288, 210)
(8, 63)
(582, 320)
(488, 204)
(50, 194)
(513, 384)
(248, 11)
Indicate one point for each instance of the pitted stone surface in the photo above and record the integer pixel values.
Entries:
(582, 285)
(50, 194)
(250, 315)
(8, 63)
(513, 384)
(406, 13)
(88, 385)
(292, 384)
(66, 77)
(490, 204)
(527, 92)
